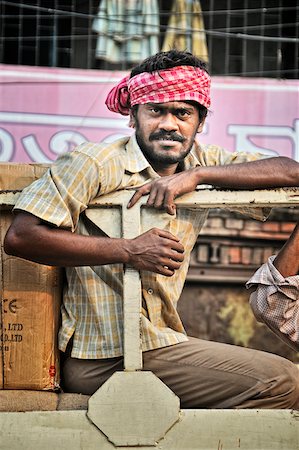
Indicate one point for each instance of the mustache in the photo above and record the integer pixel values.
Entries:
(173, 136)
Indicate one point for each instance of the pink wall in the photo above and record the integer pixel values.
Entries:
(44, 112)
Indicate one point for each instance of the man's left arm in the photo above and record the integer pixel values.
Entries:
(260, 174)
(276, 298)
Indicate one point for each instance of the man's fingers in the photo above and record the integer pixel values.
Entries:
(171, 264)
(162, 199)
(156, 197)
(166, 234)
(158, 251)
(166, 271)
(169, 267)
(144, 190)
(134, 199)
(170, 209)
(159, 197)
(177, 256)
(168, 203)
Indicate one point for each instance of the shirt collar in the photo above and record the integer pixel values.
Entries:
(191, 160)
(135, 161)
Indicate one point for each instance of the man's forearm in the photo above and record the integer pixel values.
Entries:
(287, 260)
(31, 239)
(265, 173)
(270, 172)
(155, 250)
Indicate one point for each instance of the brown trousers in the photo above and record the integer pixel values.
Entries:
(203, 374)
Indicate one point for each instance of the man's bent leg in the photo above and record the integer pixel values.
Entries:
(203, 374)
(208, 374)
(85, 376)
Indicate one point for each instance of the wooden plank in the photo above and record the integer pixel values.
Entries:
(217, 198)
(202, 198)
(131, 297)
(127, 225)
(196, 430)
(8, 198)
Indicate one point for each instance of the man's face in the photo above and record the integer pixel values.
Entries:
(165, 132)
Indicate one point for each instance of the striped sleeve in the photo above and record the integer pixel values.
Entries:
(64, 191)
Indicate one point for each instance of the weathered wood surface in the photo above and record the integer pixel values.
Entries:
(202, 198)
(196, 430)
(125, 223)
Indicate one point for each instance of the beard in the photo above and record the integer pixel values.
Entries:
(162, 156)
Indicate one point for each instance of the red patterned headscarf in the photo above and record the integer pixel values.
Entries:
(175, 84)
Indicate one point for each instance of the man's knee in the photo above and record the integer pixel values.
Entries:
(292, 389)
(284, 385)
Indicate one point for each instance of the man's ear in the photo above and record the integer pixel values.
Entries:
(132, 120)
(201, 125)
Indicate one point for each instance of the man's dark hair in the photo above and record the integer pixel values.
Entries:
(167, 60)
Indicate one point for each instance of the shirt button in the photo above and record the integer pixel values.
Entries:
(150, 291)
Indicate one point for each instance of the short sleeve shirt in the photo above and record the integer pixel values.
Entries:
(92, 309)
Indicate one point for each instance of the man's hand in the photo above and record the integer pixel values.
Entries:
(157, 251)
(164, 190)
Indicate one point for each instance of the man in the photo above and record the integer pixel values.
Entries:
(276, 298)
(167, 98)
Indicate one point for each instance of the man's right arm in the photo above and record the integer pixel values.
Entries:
(31, 238)
(287, 260)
